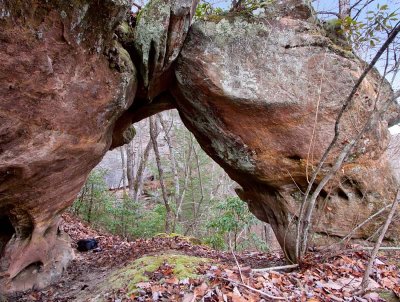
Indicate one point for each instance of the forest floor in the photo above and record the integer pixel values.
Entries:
(333, 275)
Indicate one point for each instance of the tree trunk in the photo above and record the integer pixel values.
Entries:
(171, 156)
(123, 166)
(365, 281)
(138, 184)
(89, 216)
(153, 136)
(344, 9)
(129, 168)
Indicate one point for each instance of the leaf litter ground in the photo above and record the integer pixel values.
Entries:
(323, 276)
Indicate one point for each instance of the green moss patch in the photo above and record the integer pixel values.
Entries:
(154, 268)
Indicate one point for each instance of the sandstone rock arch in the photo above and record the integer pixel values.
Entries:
(247, 89)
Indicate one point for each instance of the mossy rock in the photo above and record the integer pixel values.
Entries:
(182, 266)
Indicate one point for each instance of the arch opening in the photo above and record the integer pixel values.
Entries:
(7, 231)
(196, 186)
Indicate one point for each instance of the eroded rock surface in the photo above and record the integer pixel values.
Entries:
(59, 100)
(161, 29)
(262, 96)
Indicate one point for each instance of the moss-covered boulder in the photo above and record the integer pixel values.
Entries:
(160, 268)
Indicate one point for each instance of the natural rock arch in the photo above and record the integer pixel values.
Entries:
(247, 89)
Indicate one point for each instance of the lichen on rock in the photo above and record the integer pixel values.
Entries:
(250, 91)
(161, 29)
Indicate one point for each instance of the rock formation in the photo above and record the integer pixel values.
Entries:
(260, 94)
(59, 102)
(262, 98)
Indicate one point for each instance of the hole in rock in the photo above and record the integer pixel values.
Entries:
(342, 194)
(6, 231)
(359, 193)
(323, 194)
(192, 182)
(35, 266)
(48, 231)
(10, 173)
(294, 157)
(22, 222)
(353, 185)
(30, 270)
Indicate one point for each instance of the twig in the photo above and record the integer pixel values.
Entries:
(276, 268)
(357, 249)
(365, 281)
(328, 13)
(254, 290)
(234, 257)
(363, 223)
(308, 203)
(139, 7)
(384, 248)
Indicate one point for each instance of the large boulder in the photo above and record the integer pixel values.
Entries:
(261, 95)
(59, 100)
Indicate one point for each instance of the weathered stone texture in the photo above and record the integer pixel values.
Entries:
(58, 103)
(262, 97)
(161, 29)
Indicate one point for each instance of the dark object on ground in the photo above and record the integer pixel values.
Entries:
(85, 245)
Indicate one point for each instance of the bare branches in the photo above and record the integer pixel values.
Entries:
(264, 294)
(348, 236)
(328, 13)
(275, 268)
(365, 281)
(309, 202)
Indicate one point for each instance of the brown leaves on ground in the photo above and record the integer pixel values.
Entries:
(319, 277)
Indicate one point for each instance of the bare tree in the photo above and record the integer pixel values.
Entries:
(309, 199)
(130, 159)
(123, 166)
(171, 154)
(138, 183)
(365, 281)
(168, 208)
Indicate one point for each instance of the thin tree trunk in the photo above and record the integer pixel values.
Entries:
(344, 9)
(171, 157)
(81, 198)
(89, 217)
(153, 136)
(309, 202)
(123, 164)
(365, 281)
(138, 184)
(129, 167)
(197, 214)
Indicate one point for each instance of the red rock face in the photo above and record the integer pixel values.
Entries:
(262, 98)
(59, 102)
